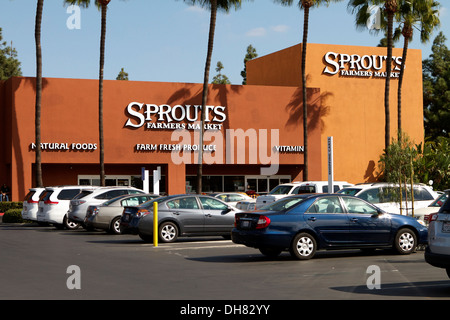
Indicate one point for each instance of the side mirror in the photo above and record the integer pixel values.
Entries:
(228, 209)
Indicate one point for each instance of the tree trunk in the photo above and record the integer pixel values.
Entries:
(37, 35)
(387, 126)
(212, 26)
(100, 96)
(406, 37)
(305, 107)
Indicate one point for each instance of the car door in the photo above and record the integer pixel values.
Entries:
(366, 225)
(218, 215)
(187, 212)
(328, 220)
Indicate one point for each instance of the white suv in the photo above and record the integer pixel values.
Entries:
(54, 203)
(437, 253)
(380, 194)
(296, 187)
(79, 205)
(30, 204)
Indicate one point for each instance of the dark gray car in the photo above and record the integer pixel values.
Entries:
(180, 215)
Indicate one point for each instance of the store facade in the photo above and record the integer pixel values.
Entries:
(253, 133)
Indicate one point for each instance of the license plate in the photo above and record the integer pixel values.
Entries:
(446, 226)
(245, 224)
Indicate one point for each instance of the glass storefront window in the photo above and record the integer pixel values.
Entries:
(234, 183)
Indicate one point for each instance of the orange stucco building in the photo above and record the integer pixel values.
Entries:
(352, 86)
(254, 133)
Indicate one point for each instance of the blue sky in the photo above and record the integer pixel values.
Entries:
(166, 40)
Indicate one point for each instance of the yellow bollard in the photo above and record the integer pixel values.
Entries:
(155, 224)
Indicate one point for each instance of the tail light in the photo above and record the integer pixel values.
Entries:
(94, 211)
(263, 222)
(236, 221)
(142, 212)
(50, 202)
(32, 201)
(77, 202)
(432, 217)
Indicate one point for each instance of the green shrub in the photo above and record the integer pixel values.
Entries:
(13, 216)
(6, 205)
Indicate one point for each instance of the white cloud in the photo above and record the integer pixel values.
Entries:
(280, 28)
(256, 32)
(195, 9)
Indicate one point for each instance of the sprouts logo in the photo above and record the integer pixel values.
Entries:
(354, 65)
(167, 117)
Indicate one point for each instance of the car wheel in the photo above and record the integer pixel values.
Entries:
(115, 226)
(303, 246)
(168, 232)
(405, 241)
(69, 224)
(270, 252)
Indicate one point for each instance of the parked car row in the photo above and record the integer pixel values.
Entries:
(299, 223)
(66, 206)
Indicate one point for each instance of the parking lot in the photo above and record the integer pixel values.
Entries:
(35, 261)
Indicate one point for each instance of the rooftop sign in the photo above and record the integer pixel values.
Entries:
(354, 65)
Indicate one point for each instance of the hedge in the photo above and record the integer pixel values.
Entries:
(12, 210)
(6, 205)
(13, 216)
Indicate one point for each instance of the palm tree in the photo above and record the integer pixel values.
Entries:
(390, 7)
(305, 5)
(103, 5)
(213, 6)
(37, 36)
(360, 7)
(422, 15)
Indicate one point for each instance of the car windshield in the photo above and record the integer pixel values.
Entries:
(83, 194)
(107, 203)
(445, 207)
(349, 191)
(440, 200)
(281, 190)
(283, 204)
(157, 200)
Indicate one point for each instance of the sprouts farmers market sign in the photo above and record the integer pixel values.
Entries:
(166, 117)
(354, 65)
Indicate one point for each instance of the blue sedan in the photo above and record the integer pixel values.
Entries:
(324, 222)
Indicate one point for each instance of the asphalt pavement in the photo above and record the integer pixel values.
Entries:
(47, 264)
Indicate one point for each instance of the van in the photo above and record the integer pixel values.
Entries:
(298, 187)
(382, 195)
(31, 203)
(54, 204)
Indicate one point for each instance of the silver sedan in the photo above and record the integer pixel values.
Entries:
(107, 215)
